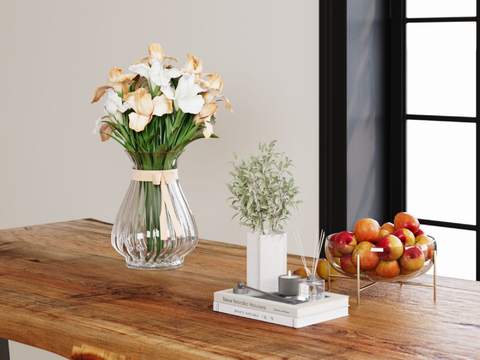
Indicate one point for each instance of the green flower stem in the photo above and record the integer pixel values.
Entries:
(135, 218)
(150, 203)
(148, 217)
(158, 201)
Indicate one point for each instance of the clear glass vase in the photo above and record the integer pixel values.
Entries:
(136, 233)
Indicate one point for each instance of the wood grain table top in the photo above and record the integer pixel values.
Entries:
(63, 288)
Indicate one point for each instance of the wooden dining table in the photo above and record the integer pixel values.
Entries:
(64, 289)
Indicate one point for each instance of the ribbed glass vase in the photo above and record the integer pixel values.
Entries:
(137, 230)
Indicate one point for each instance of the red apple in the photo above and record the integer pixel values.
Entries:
(405, 272)
(345, 242)
(331, 247)
(392, 247)
(388, 269)
(426, 245)
(420, 232)
(367, 230)
(368, 259)
(404, 220)
(347, 264)
(412, 258)
(332, 250)
(388, 226)
(371, 272)
(406, 236)
(302, 272)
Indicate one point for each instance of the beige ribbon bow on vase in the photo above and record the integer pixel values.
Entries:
(162, 178)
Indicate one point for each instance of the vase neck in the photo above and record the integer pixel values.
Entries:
(154, 160)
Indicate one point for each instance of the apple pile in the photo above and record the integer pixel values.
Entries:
(389, 250)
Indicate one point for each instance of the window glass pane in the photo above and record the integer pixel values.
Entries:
(441, 69)
(441, 8)
(456, 252)
(441, 170)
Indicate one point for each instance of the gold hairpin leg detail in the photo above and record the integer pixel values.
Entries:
(358, 279)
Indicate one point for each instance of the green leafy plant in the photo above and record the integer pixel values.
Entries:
(263, 190)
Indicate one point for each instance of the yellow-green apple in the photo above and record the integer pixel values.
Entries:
(367, 230)
(302, 272)
(347, 264)
(384, 233)
(406, 237)
(392, 248)
(427, 246)
(337, 260)
(368, 259)
(412, 258)
(322, 269)
(345, 242)
(388, 226)
(404, 220)
(388, 269)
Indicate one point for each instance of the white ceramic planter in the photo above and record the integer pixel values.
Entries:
(266, 260)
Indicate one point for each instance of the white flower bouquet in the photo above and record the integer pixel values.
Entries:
(158, 107)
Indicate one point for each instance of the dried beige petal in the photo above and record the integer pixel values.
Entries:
(214, 82)
(156, 52)
(207, 111)
(208, 131)
(99, 92)
(192, 65)
(144, 102)
(162, 105)
(138, 122)
(140, 101)
(144, 60)
(209, 95)
(119, 80)
(104, 130)
(168, 58)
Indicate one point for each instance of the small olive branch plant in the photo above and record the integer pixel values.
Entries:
(262, 193)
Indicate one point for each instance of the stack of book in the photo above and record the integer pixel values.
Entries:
(261, 307)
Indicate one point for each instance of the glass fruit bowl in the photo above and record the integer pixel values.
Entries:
(387, 260)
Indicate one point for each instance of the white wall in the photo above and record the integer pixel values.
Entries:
(55, 53)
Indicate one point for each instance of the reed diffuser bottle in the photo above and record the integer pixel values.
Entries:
(311, 288)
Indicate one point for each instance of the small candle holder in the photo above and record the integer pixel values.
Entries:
(311, 289)
(288, 284)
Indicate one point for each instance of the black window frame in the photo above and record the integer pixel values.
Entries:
(334, 118)
(399, 117)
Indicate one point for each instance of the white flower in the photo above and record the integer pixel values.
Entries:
(186, 95)
(114, 104)
(114, 109)
(156, 74)
(98, 125)
(141, 69)
(161, 76)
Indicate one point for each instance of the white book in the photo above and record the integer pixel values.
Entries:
(281, 319)
(256, 301)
